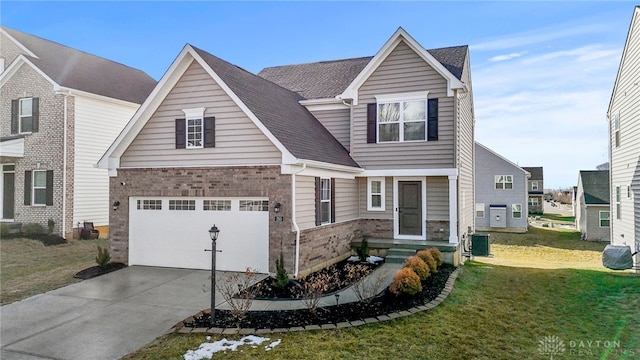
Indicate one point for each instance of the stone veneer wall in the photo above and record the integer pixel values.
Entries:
(258, 181)
(377, 228)
(438, 230)
(326, 244)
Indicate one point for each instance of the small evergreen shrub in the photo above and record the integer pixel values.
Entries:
(363, 249)
(31, 229)
(427, 257)
(437, 255)
(282, 278)
(103, 257)
(405, 281)
(51, 225)
(418, 266)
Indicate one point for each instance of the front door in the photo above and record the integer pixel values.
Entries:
(410, 208)
(8, 190)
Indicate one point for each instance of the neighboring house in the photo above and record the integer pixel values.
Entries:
(501, 193)
(535, 187)
(298, 161)
(60, 110)
(592, 205)
(624, 144)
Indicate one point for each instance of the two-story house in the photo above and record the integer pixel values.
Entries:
(624, 144)
(535, 187)
(60, 109)
(592, 205)
(298, 160)
(501, 193)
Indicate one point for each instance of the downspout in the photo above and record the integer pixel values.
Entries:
(64, 163)
(293, 219)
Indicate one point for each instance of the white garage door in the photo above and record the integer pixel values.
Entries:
(174, 232)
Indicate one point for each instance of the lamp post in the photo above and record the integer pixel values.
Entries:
(213, 234)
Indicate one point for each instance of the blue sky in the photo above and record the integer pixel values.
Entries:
(542, 72)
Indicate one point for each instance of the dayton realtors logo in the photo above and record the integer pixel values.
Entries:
(550, 346)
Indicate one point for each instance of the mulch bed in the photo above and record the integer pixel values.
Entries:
(383, 304)
(97, 270)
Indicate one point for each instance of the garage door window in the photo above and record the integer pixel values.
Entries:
(182, 204)
(217, 205)
(254, 205)
(149, 204)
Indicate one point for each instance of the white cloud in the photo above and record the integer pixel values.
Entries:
(507, 56)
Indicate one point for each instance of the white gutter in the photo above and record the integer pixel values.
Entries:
(293, 219)
(64, 164)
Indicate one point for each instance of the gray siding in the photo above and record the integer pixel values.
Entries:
(238, 139)
(465, 153)
(624, 164)
(488, 165)
(594, 231)
(338, 123)
(388, 201)
(346, 201)
(438, 198)
(404, 71)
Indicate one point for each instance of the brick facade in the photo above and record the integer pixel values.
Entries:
(43, 149)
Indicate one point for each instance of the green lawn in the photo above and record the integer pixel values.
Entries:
(566, 219)
(553, 286)
(27, 267)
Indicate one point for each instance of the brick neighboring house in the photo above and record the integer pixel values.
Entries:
(60, 109)
(535, 187)
(592, 209)
(501, 193)
(298, 160)
(623, 115)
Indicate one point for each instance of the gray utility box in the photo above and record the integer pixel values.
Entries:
(480, 244)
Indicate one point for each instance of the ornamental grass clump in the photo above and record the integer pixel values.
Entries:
(418, 266)
(437, 255)
(405, 281)
(427, 257)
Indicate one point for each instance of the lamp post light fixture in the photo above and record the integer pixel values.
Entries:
(337, 295)
(213, 234)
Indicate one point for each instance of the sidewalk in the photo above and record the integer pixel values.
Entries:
(386, 271)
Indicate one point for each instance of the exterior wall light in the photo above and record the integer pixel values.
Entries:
(276, 207)
(116, 204)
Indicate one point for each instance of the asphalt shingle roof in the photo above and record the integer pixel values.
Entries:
(596, 186)
(327, 79)
(79, 70)
(278, 109)
(536, 172)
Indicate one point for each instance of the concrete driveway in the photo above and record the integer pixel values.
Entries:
(105, 317)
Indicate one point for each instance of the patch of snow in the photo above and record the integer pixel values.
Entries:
(374, 259)
(206, 350)
(353, 258)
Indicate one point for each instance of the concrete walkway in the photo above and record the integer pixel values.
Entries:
(112, 315)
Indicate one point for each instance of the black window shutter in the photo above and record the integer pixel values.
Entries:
(15, 110)
(35, 114)
(318, 210)
(432, 119)
(333, 200)
(27, 187)
(372, 126)
(49, 191)
(209, 132)
(181, 137)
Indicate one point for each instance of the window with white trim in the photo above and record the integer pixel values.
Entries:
(376, 194)
(605, 218)
(39, 188)
(254, 205)
(534, 185)
(194, 133)
(325, 201)
(216, 205)
(516, 211)
(504, 182)
(618, 203)
(534, 201)
(402, 117)
(479, 210)
(149, 204)
(616, 129)
(26, 115)
(182, 204)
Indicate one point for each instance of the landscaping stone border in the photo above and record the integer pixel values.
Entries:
(448, 287)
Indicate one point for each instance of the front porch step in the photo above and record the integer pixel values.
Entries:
(397, 255)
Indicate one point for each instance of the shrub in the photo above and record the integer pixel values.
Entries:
(103, 257)
(31, 229)
(437, 255)
(51, 225)
(418, 266)
(4, 230)
(234, 282)
(313, 288)
(405, 281)
(282, 278)
(365, 287)
(427, 257)
(363, 249)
